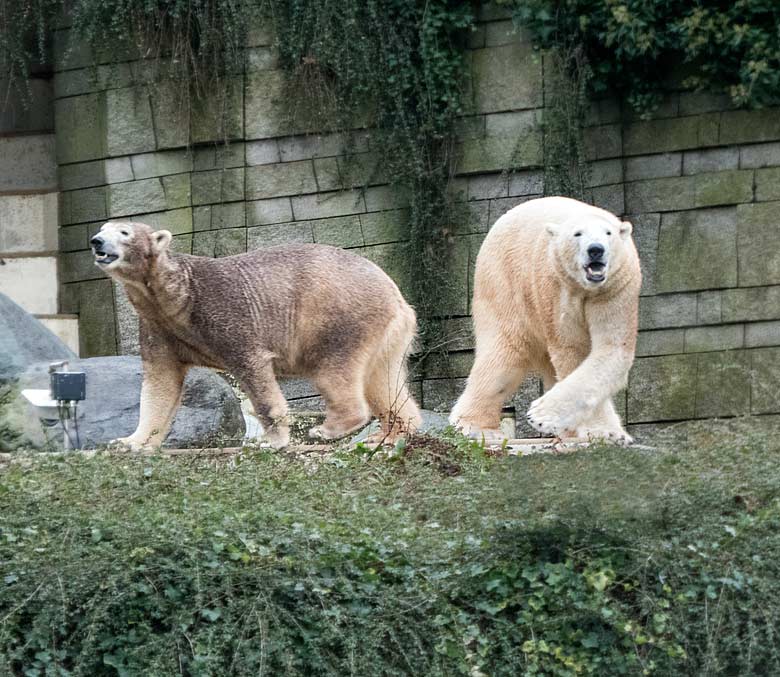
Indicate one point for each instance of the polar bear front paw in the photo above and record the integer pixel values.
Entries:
(549, 416)
(619, 436)
(130, 443)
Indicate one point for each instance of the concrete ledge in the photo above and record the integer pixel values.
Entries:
(31, 282)
(64, 327)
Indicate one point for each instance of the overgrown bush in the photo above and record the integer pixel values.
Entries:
(633, 46)
(605, 562)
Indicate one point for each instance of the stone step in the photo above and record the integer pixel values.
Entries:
(31, 281)
(65, 327)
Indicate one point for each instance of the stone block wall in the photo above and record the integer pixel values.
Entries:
(698, 181)
(28, 206)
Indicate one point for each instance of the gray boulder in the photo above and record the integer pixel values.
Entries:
(210, 413)
(24, 341)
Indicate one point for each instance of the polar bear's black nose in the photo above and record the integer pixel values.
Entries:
(595, 251)
(96, 241)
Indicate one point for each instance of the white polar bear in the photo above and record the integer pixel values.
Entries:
(556, 292)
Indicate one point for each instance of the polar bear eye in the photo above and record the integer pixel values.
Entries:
(578, 233)
(609, 232)
(124, 232)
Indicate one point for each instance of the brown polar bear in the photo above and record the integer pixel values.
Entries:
(556, 292)
(305, 310)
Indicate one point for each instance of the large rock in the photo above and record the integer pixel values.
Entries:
(25, 341)
(210, 413)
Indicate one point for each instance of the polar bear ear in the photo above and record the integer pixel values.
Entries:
(160, 240)
(626, 229)
(551, 229)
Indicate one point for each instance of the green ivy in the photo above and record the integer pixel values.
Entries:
(395, 66)
(633, 45)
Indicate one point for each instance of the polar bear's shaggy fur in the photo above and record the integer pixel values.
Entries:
(300, 310)
(556, 292)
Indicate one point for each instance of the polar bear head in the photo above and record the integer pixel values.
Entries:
(590, 249)
(129, 250)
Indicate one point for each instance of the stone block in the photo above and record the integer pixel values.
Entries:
(216, 243)
(177, 191)
(171, 117)
(610, 198)
(219, 119)
(508, 77)
(82, 175)
(760, 155)
(693, 103)
(218, 185)
(448, 364)
(645, 235)
(135, 197)
(501, 206)
(312, 146)
(605, 172)
(78, 266)
(759, 334)
(765, 383)
(126, 322)
(660, 195)
(280, 233)
(277, 180)
(758, 237)
(603, 112)
(395, 260)
(768, 184)
(118, 169)
(708, 307)
(97, 326)
(178, 221)
(660, 342)
(525, 183)
(723, 188)
(265, 212)
(161, 163)
(669, 310)
(476, 38)
(697, 250)
(709, 339)
(357, 170)
(31, 282)
(486, 186)
(18, 116)
(750, 304)
(129, 127)
(441, 394)
(603, 141)
(503, 33)
(262, 59)
(28, 163)
(28, 223)
(341, 231)
(456, 333)
(750, 126)
(266, 113)
(327, 174)
(182, 244)
(662, 388)
(379, 198)
(723, 384)
(265, 152)
(323, 205)
(671, 134)
(65, 328)
(710, 160)
(88, 204)
(386, 226)
(73, 238)
(653, 166)
(228, 215)
(497, 153)
(81, 128)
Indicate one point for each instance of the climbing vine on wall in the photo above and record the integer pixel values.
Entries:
(396, 66)
(634, 45)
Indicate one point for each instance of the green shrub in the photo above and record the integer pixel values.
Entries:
(634, 45)
(606, 562)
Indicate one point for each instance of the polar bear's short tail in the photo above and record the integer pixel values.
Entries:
(387, 383)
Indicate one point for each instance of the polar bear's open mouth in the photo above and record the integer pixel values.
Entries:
(102, 258)
(596, 271)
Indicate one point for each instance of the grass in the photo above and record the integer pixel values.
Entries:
(605, 561)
